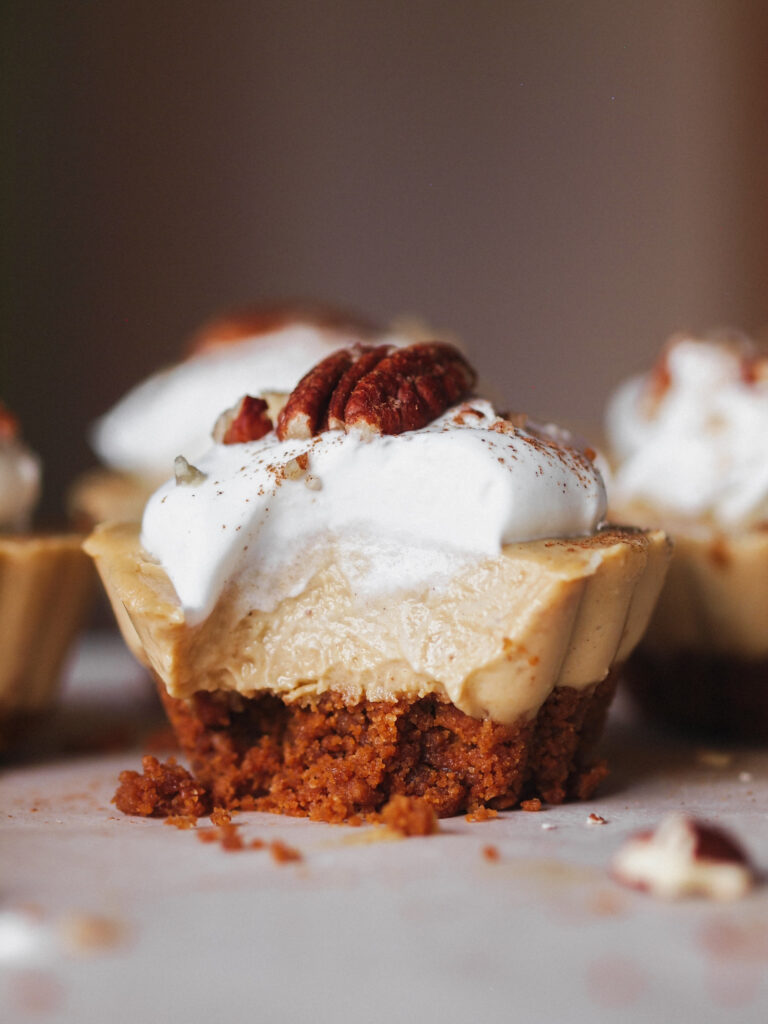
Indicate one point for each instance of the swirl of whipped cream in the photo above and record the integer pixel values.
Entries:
(173, 410)
(394, 512)
(19, 477)
(691, 437)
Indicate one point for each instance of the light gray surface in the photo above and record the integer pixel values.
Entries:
(415, 930)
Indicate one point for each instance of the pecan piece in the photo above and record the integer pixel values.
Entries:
(409, 388)
(684, 857)
(303, 414)
(246, 421)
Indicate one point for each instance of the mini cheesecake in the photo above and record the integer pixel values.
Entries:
(394, 592)
(45, 586)
(259, 348)
(689, 447)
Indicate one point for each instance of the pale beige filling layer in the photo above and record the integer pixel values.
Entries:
(45, 586)
(715, 598)
(495, 642)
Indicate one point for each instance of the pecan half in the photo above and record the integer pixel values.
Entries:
(377, 390)
(303, 414)
(246, 421)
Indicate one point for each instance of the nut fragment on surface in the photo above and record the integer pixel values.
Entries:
(377, 390)
(247, 420)
(185, 472)
(684, 857)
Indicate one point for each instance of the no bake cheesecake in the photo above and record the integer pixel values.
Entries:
(689, 442)
(255, 349)
(45, 584)
(396, 591)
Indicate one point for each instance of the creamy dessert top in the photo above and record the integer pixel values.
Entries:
(19, 476)
(402, 512)
(172, 411)
(690, 438)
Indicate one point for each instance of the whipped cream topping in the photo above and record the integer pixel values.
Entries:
(395, 513)
(172, 412)
(19, 483)
(691, 437)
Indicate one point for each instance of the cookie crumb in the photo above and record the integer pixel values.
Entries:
(90, 933)
(596, 819)
(220, 816)
(162, 790)
(410, 816)
(491, 853)
(282, 853)
(531, 805)
(182, 821)
(482, 814)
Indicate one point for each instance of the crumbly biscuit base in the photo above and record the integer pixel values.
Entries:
(331, 761)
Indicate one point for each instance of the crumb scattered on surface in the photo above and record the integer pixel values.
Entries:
(163, 789)
(491, 853)
(410, 816)
(230, 838)
(90, 933)
(282, 853)
(482, 814)
(531, 805)
(220, 816)
(547, 825)
(182, 821)
(596, 819)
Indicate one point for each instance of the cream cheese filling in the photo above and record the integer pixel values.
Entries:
(495, 641)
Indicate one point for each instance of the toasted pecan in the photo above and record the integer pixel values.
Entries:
(246, 421)
(377, 390)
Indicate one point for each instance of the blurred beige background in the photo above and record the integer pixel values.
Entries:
(561, 183)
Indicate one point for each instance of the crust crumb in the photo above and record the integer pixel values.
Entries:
(164, 789)
(531, 805)
(282, 853)
(220, 816)
(409, 816)
(482, 814)
(182, 821)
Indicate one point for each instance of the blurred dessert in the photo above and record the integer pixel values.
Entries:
(689, 442)
(45, 582)
(258, 349)
(397, 591)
